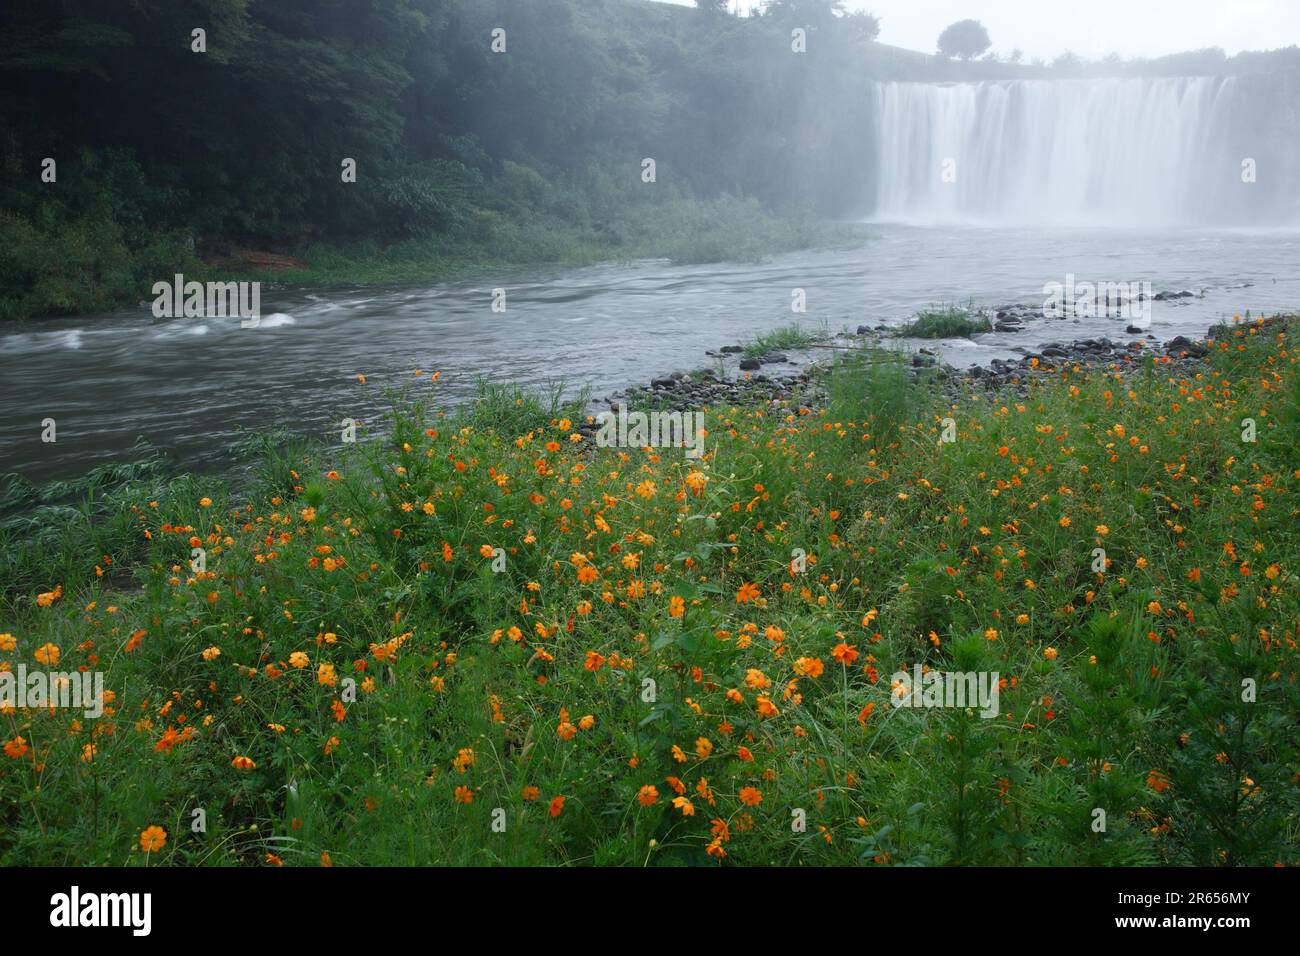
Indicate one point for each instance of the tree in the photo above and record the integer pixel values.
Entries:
(965, 38)
(863, 25)
(806, 12)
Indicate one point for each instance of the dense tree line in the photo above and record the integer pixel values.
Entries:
(166, 139)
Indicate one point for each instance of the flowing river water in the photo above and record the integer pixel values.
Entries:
(190, 386)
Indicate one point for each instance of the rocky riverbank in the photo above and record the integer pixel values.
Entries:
(785, 381)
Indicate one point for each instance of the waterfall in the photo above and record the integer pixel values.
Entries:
(1112, 151)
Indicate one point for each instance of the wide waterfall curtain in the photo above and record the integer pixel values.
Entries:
(1110, 151)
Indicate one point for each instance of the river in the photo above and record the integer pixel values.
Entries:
(190, 386)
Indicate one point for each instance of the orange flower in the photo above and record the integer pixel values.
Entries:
(243, 763)
(676, 606)
(751, 796)
(16, 748)
(647, 795)
(557, 806)
(809, 667)
(564, 729)
(746, 593)
(48, 654)
(153, 839)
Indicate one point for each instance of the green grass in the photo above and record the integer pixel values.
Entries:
(947, 322)
(528, 618)
(791, 337)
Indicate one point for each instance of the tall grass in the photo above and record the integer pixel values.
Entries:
(629, 657)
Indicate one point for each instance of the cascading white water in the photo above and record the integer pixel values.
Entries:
(1142, 151)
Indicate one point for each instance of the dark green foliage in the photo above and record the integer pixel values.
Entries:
(165, 153)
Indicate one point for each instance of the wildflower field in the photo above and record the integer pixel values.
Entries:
(477, 638)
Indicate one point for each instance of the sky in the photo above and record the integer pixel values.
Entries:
(1131, 28)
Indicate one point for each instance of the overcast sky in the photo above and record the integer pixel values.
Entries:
(1091, 28)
